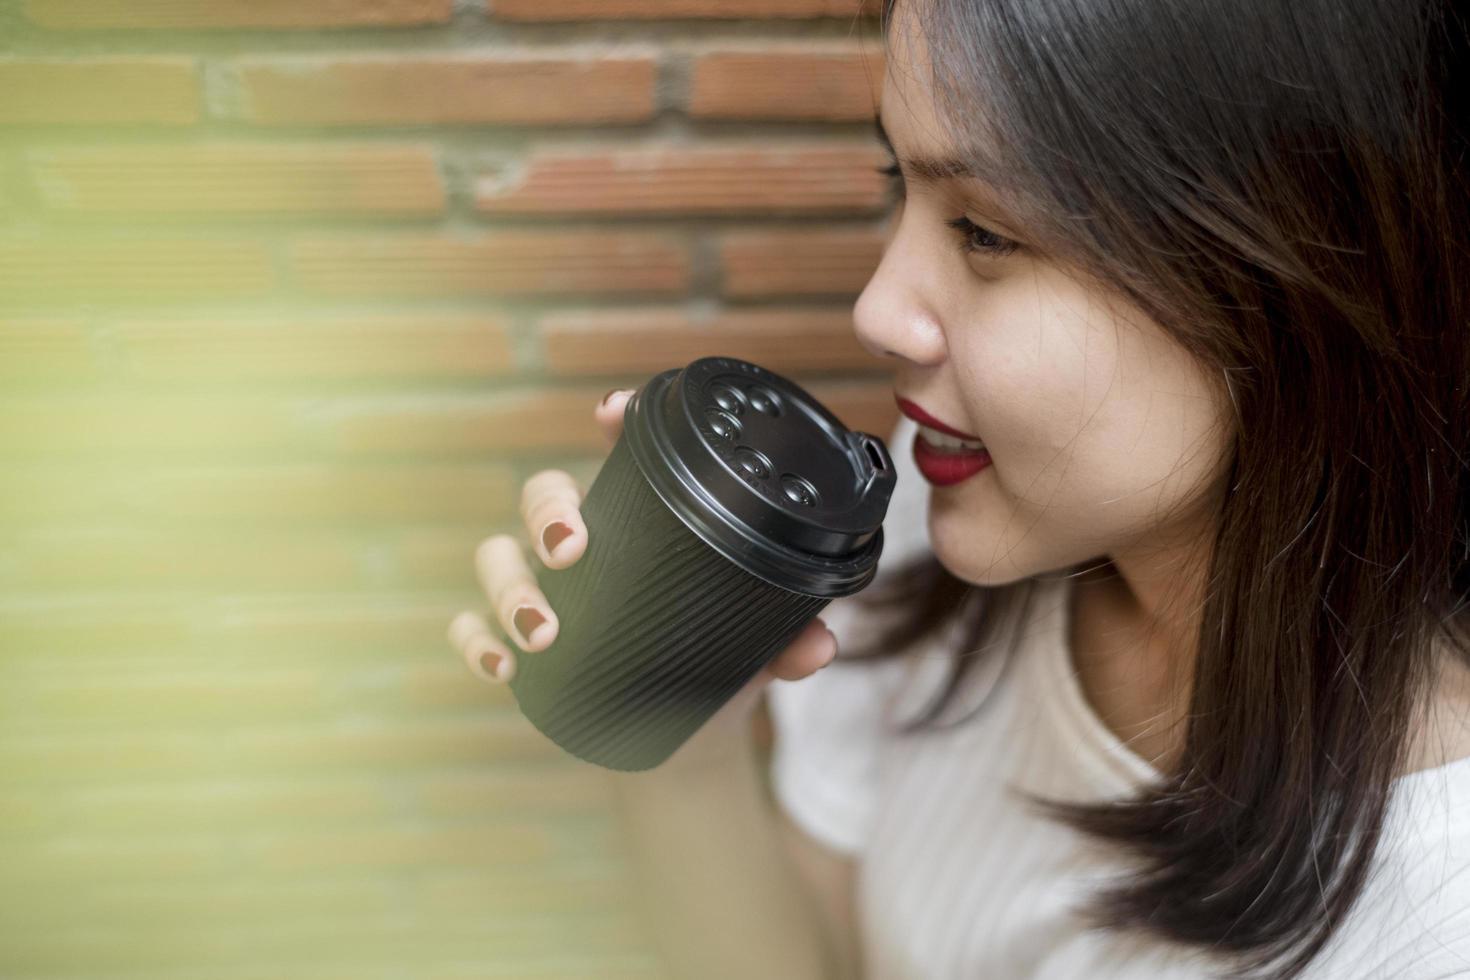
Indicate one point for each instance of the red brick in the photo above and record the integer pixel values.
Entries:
(556, 420)
(676, 9)
(237, 176)
(804, 83)
(509, 88)
(504, 263)
(131, 89)
(798, 263)
(546, 419)
(553, 420)
(702, 180)
(59, 269)
(600, 342)
(444, 345)
(94, 14)
(865, 406)
(35, 348)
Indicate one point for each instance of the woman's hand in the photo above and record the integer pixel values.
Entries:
(550, 502)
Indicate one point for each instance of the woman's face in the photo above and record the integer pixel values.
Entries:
(1105, 435)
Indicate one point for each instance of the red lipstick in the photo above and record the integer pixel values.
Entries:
(945, 469)
(916, 413)
(942, 467)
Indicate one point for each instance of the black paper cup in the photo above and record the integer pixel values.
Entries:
(732, 509)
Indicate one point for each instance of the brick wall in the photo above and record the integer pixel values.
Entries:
(294, 295)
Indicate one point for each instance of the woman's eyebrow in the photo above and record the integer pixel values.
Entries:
(926, 170)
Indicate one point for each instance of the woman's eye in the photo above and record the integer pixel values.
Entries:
(978, 238)
(973, 238)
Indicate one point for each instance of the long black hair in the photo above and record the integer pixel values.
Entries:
(1281, 186)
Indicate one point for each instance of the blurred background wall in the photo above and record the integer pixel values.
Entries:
(294, 295)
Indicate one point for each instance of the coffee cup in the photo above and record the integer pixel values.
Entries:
(732, 509)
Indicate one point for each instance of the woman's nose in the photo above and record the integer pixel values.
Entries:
(893, 317)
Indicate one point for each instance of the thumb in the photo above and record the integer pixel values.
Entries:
(609, 413)
(814, 648)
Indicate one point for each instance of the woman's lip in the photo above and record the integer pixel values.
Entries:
(916, 413)
(946, 469)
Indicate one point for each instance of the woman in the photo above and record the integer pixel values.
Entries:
(1195, 277)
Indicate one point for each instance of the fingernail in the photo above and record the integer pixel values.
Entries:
(554, 534)
(526, 620)
(490, 664)
(610, 394)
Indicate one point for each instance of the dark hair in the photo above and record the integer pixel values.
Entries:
(1281, 187)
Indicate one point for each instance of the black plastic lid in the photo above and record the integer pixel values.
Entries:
(764, 473)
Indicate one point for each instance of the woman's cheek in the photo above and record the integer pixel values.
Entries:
(1026, 419)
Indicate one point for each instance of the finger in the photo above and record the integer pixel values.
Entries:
(550, 501)
(520, 606)
(813, 649)
(487, 657)
(609, 413)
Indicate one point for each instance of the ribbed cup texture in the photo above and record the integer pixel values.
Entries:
(657, 630)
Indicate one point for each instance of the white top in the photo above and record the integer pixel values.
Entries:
(957, 879)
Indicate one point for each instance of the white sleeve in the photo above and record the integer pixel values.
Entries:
(1434, 937)
(1438, 953)
(828, 726)
(1412, 920)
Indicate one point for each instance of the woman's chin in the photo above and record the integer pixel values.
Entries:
(965, 561)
